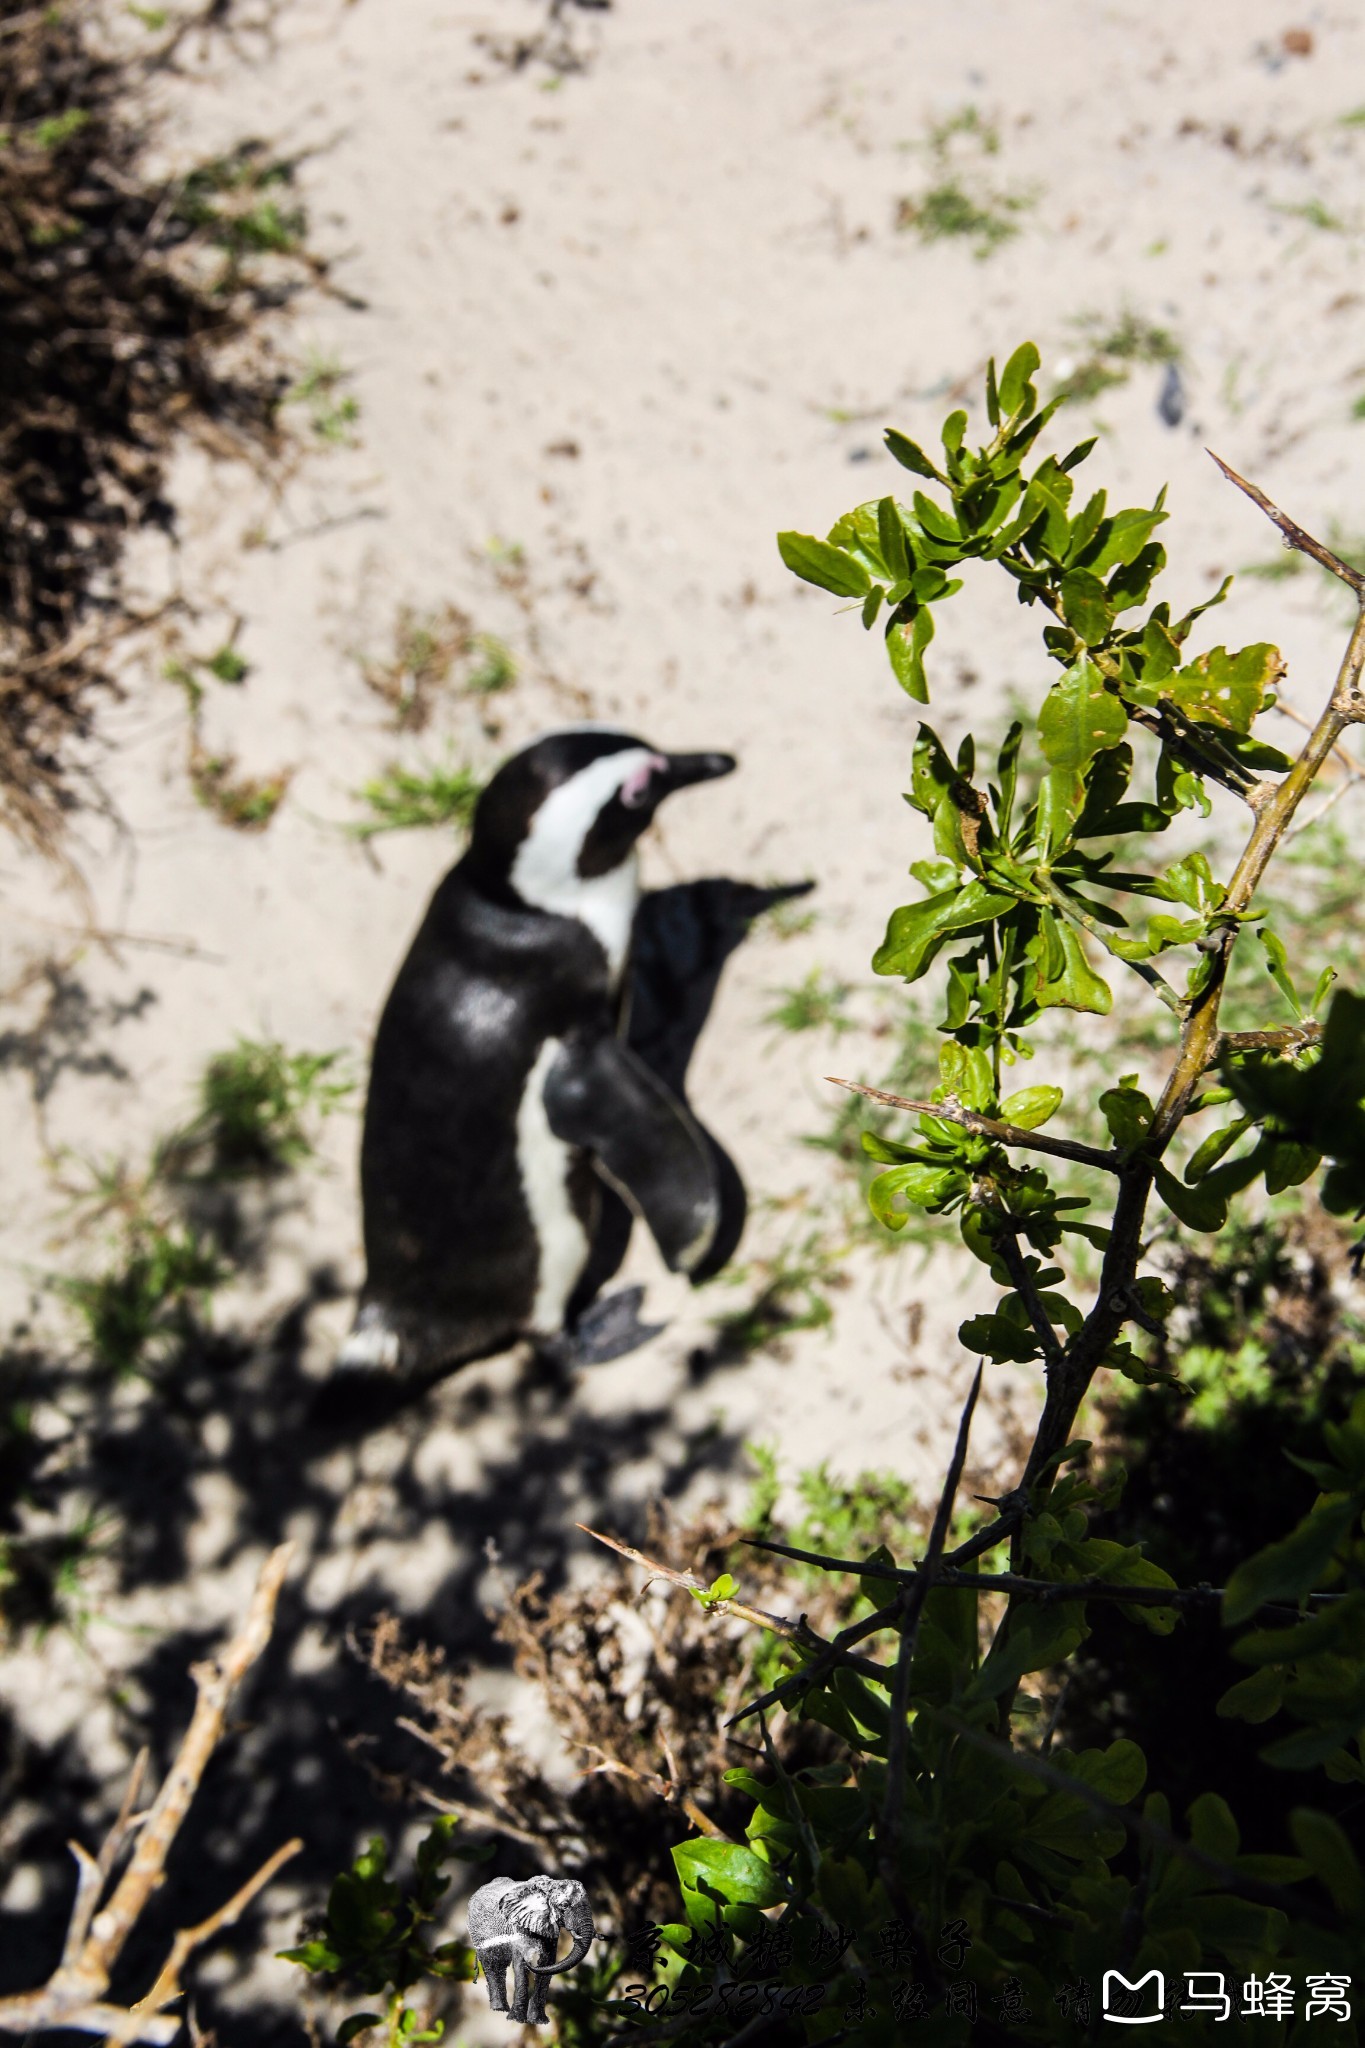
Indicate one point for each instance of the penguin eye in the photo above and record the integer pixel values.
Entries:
(634, 790)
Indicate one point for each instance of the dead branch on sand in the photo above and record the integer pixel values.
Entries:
(74, 1995)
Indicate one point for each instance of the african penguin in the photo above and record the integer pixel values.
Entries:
(502, 1093)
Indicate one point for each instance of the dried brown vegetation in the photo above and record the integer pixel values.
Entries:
(637, 1692)
(117, 297)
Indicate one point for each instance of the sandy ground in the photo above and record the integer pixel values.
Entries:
(619, 327)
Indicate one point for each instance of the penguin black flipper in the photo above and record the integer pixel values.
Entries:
(601, 1097)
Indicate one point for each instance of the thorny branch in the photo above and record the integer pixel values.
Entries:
(1007, 1245)
(1046, 1590)
(795, 1631)
(912, 1601)
(74, 1996)
(1200, 1039)
(1294, 535)
(988, 1127)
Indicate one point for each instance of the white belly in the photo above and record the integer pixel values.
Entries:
(544, 1161)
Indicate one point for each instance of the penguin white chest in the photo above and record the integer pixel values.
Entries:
(544, 1162)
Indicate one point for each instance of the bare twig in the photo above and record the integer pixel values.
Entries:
(1046, 1590)
(1294, 534)
(987, 1127)
(73, 1997)
(912, 1602)
(795, 1631)
(93, 1872)
(832, 1654)
(670, 1790)
(1284, 1038)
(1007, 1244)
(167, 1985)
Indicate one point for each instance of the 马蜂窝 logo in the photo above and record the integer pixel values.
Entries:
(1121, 2001)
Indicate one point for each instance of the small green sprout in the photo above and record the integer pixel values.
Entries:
(149, 1300)
(816, 1005)
(332, 414)
(403, 799)
(228, 665)
(494, 668)
(246, 802)
(60, 129)
(254, 1104)
(723, 1588)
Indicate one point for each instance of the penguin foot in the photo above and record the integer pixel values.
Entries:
(371, 1346)
(607, 1329)
(371, 1378)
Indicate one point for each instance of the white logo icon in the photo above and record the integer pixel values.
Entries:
(1133, 2019)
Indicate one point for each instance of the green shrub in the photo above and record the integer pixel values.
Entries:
(255, 1102)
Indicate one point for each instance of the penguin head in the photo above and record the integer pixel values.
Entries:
(569, 808)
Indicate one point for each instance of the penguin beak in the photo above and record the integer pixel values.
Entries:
(685, 769)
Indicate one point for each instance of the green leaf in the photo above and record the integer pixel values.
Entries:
(1030, 1108)
(911, 456)
(891, 534)
(1007, 768)
(931, 772)
(1086, 607)
(1080, 717)
(905, 645)
(1253, 1699)
(916, 929)
(926, 1187)
(1126, 534)
(1203, 1207)
(1308, 1748)
(1128, 1112)
(1321, 990)
(842, 1887)
(1078, 987)
(1017, 394)
(1190, 881)
(1117, 1773)
(1293, 1566)
(1037, 1639)
(1212, 1827)
(1288, 1165)
(1214, 1146)
(1329, 1855)
(1277, 966)
(313, 1955)
(736, 1873)
(966, 1072)
(356, 2025)
(997, 1338)
(1227, 689)
(1078, 454)
(815, 561)
(938, 524)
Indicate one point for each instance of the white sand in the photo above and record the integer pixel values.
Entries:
(683, 260)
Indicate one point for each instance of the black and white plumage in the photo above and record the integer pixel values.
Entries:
(502, 1092)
